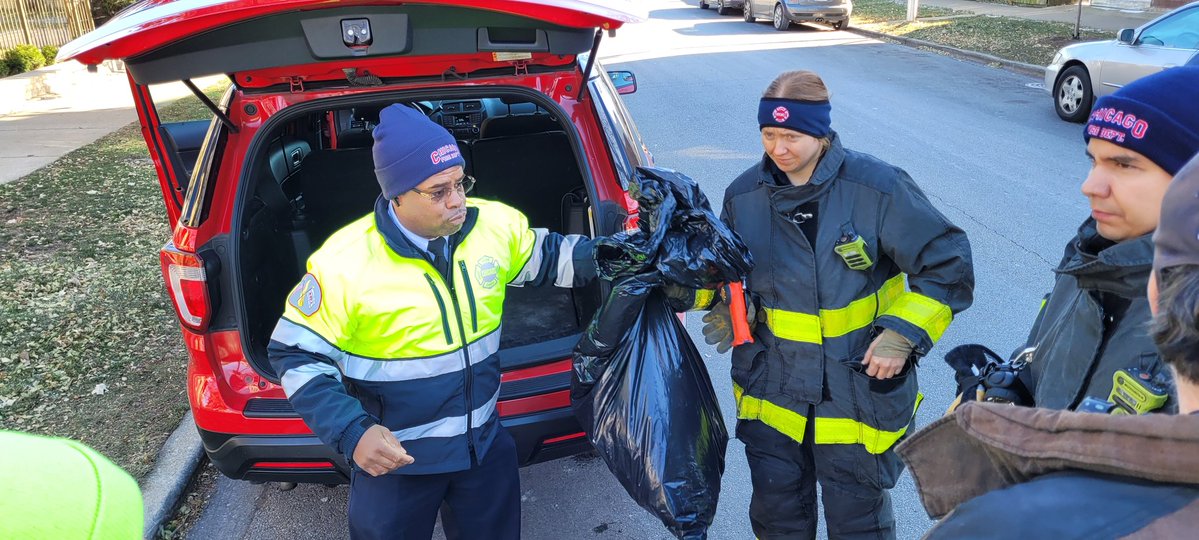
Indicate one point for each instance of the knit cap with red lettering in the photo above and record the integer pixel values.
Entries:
(409, 148)
(1156, 116)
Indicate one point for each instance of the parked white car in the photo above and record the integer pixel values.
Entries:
(1079, 74)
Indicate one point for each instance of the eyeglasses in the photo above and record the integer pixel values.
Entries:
(463, 186)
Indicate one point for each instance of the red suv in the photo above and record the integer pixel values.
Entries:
(286, 161)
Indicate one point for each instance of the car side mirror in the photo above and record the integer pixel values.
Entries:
(1126, 35)
(624, 81)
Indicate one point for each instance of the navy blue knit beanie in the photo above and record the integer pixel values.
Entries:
(409, 148)
(1156, 116)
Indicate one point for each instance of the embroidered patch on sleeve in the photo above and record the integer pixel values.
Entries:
(487, 272)
(306, 297)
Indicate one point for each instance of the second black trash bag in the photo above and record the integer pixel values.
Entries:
(652, 413)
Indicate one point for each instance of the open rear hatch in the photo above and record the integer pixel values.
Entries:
(315, 43)
(163, 41)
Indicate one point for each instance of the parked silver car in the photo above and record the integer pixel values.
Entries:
(1081, 73)
(723, 7)
(784, 12)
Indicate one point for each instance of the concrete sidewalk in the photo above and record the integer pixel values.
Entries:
(1092, 17)
(52, 111)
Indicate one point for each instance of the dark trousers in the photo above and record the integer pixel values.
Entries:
(784, 474)
(484, 501)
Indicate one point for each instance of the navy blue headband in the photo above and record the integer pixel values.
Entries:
(809, 117)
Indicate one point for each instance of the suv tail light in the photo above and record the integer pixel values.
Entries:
(187, 281)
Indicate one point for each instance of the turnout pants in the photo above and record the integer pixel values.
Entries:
(784, 473)
(484, 501)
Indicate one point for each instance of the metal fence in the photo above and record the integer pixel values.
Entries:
(43, 22)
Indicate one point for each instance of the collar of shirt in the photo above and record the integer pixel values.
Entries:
(417, 240)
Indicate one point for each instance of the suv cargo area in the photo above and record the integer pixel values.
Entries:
(312, 173)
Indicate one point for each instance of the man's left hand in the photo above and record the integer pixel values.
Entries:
(887, 355)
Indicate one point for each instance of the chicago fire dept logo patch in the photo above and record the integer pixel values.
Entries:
(781, 114)
(487, 272)
(306, 297)
(444, 153)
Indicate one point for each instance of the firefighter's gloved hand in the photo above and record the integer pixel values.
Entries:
(887, 355)
(680, 299)
(379, 452)
(718, 327)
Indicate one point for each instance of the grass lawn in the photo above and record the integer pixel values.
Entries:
(90, 347)
(1022, 40)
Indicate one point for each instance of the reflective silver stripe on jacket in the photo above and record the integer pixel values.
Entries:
(295, 378)
(531, 268)
(452, 426)
(566, 260)
(400, 369)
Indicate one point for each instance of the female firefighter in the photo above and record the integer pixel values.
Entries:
(857, 275)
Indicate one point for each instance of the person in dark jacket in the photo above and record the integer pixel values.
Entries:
(856, 276)
(388, 346)
(1036, 473)
(1093, 323)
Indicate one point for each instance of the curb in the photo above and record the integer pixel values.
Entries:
(174, 467)
(1027, 69)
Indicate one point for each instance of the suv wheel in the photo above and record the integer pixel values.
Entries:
(781, 22)
(747, 12)
(1072, 94)
(703, 4)
(721, 9)
(841, 25)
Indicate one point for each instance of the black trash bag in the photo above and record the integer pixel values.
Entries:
(651, 412)
(679, 236)
(640, 388)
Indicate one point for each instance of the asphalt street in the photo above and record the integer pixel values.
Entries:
(984, 144)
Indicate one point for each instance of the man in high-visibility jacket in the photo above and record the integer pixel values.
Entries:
(856, 275)
(387, 346)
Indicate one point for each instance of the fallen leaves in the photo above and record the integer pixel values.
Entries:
(89, 343)
(1021, 40)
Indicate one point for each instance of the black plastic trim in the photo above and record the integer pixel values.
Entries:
(535, 386)
(236, 455)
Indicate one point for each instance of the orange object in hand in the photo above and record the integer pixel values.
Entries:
(737, 311)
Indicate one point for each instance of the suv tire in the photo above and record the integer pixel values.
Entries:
(747, 12)
(841, 25)
(781, 22)
(703, 4)
(722, 9)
